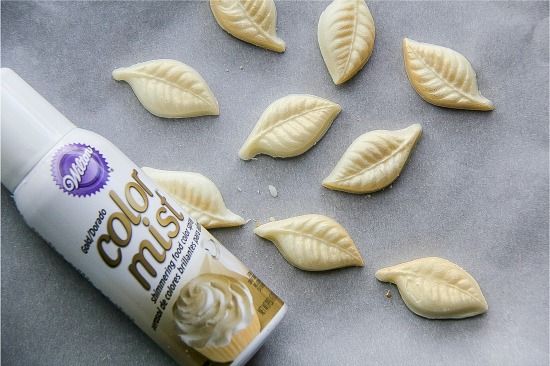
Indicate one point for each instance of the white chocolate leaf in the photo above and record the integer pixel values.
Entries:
(436, 288)
(290, 126)
(346, 38)
(196, 194)
(252, 21)
(312, 242)
(443, 77)
(373, 160)
(169, 89)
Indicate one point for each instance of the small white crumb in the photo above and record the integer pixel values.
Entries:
(239, 189)
(388, 294)
(272, 219)
(272, 191)
(258, 191)
(253, 158)
(226, 70)
(241, 67)
(369, 196)
(247, 221)
(391, 186)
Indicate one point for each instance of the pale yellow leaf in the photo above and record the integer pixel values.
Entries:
(252, 21)
(290, 126)
(312, 242)
(198, 195)
(169, 89)
(346, 38)
(373, 161)
(443, 77)
(436, 288)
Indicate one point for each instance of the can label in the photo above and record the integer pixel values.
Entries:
(143, 251)
(79, 169)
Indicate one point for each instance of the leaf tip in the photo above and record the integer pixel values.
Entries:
(484, 306)
(214, 107)
(118, 74)
(277, 45)
(247, 152)
(262, 231)
(383, 275)
(230, 219)
(487, 105)
(337, 78)
(415, 129)
(407, 42)
(328, 183)
(337, 108)
(236, 220)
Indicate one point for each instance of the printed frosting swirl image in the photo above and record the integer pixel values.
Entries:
(215, 314)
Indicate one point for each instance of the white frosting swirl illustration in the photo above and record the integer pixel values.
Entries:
(210, 309)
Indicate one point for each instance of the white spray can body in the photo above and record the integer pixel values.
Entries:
(129, 238)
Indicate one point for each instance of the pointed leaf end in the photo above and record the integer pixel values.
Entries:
(383, 275)
(415, 129)
(487, 105)
(337, 77)
(262, 231)
(278, 45)
(484, 305)
(328, 183)
(214, 108)
(234, 219)
(337, 108)
(246, 152)
(407, 42)
(119, 74)
(231, 220)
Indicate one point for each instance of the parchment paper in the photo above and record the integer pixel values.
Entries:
(475, 190)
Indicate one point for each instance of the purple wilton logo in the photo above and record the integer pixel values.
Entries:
(79, 170)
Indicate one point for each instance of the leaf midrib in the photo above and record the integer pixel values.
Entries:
(398, 150)
(327, 243)
(170, 83)
(414, 274)
(468, 96)
(353, 36)
(262, 133)
(253, 22)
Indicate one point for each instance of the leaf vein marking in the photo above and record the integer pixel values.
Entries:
(170, 83)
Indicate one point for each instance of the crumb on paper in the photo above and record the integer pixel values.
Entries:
(391, 186)
(247, 221)
(226, 70)
(388, 294)
(369, 196)
(272, 219)
(258, 191)
(241, 67)
(239, 189)
(272, 191)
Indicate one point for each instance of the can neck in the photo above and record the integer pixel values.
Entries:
(30, 128)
